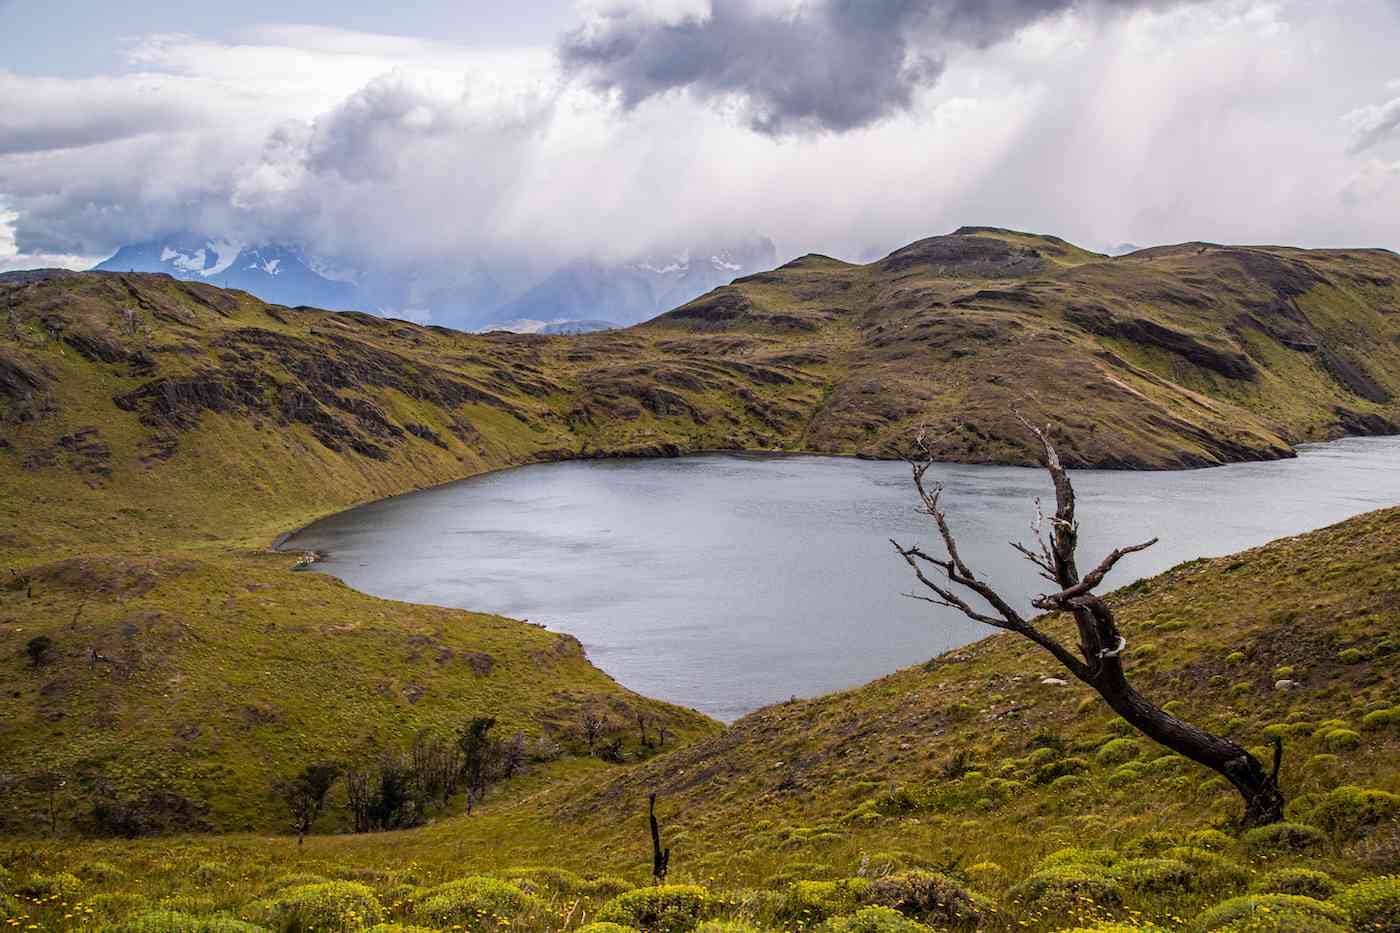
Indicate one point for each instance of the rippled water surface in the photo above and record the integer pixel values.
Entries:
(727, 582)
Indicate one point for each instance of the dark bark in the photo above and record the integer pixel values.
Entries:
(1098, 659)
(660, 858)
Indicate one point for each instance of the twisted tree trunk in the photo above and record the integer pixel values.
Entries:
(1098, 660)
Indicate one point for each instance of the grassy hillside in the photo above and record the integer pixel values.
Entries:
(1026, 797)
(156, 437)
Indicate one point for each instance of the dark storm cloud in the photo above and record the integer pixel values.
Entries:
(824, 64)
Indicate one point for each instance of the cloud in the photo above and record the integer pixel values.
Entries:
(832, 65)
(1373, 124)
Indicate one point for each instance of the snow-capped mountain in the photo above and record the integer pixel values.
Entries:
(274, 273)
(639, 289)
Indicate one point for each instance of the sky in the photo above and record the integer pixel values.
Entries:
(457, 133)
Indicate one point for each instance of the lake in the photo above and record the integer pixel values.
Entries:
(726, 582)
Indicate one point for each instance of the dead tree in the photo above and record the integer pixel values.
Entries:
(660, 858)
(305, 795)
(1098, 661)
(593, 723)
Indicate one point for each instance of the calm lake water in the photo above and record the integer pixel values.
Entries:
(727, 582)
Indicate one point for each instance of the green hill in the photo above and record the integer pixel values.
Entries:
(157, 436)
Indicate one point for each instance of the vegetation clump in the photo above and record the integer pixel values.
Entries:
(173, 921)
(476, 903)
(1155, 875)
(330, 906)
(1374, 904)
(1281, 912)
(1068, 890)
(1349, 811)
(1281, 838)
(929, 897)
(671, 908)
(1307, 882)
(874, 919)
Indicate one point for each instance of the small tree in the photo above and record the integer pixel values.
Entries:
(592, 722)
(40, 650)
(305, 795)
(1098, 661)
(477, 758)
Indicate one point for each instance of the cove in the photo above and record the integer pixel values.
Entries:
(726, 582)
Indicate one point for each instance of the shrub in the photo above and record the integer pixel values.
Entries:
(670, 908)
(1282, 837)
(1119, 751)
(1155, 875)
(61, 885)
(1303, 881)
(1351, 656)
(1151, 844)
(809, 902)
(1209, 839)
(477, 903)
(398, 928)
(10, 908)
(115, 906)
(1214, 872)
(873, 920)
(172, 921)
(546, 879)
(209, 872)
(724, 926)
(606, 928)
(1382, 719)
(927, 896)
(295, 880)
(187, 904)
(1058, 768)
(1284, 912)
(100, 872)
(608, 886)
(1347, 811)
(327, 906)
(1374, 904)
(1075, 856)
(1341, 739)
(1067, 889)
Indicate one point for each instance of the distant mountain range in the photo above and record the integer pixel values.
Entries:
(583, 295)
(277, 274)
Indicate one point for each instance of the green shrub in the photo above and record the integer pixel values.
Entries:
(1214, 872)
(546, 879)
(1059, 768)
(671, 908)
(1282, 837)
(873, 920)
(1119, 751)
(115, 906)
(1303, 881)
(808, 902)
(1068, 889)
(606, 928)
(209, 872)
(476, 903)
(100, 872)
(327, 906)
(1076, 856)
(606, 886)
(1284, 912)
(1284, 671)
(172, 921)
(1126, 774)
(1117, 928)
(1348, 811)
(1155, 875)
(295, 880)
(1341, 739)
(11, 908)
(60, 885)
(187, 904)
(1382, 719)
(1351, 656)
(400, 928)
(927, 896)
(724, 926)
(1374, 904)
(1234, 657)
(1212, 839)
(1151, 844)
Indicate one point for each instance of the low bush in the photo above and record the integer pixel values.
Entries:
(929, 897)
(1282, 837)
(1382, 719)
(1287, 912)
(1068, 890)
(100, 872)
(1155, 875)
(1119, 751)
(172, 921)
(671, 908)
(1212, 839)
(1058, 768)
(1303, 881)
(1341, 740)
(811, 902)
(1077, 856)
(115, 906)
(1374, 904)
(725, 926)
(58, 886)
(329, 906)
(873, 920)
(1214, 872)
(605, 927)
(1349, 811)
(476, 903)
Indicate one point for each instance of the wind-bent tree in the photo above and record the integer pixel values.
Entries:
(1098, 661)
(305, 795)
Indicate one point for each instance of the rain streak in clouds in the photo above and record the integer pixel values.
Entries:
(838, 126)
